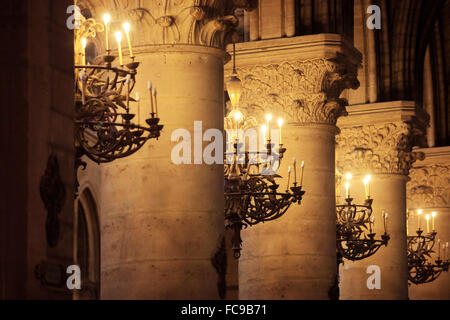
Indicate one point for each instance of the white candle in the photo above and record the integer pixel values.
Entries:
(427, 218)
(347, 190)
(119, 45)
(127, 28)
(280, 125)
(439, 247)
(107, 19)
(150, 88)
(367, 186)
(264, 132)
(289, 177)
(295, 171)
(84, 45)
(268, 118)
(301, 176)
(385, 214)
(419, 213)
(138, 100)
(433, 215)
(155, 96)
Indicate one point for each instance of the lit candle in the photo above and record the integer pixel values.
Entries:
(433, 215)
(268, 118)
(264, 132)
(138, 100)
(347, 190)
(439, 247)
(83, 45)
(150, 88)
(295, 171)
(119, 44)
(303, 170)
(372, 223)
(127, 28)
(155, 96)
(280, 125)
(385, 216)
(367, 186)
(107, 20)
(349, 177)
(427, 217)
(419, 213)
(289, 177)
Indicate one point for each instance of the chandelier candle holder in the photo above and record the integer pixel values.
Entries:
(105, 120)
(427, 258)
(252, 194)
(356, 239)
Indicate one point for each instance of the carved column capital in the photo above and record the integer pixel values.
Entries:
(384, 148)
(306, 91)
(429, 186)
(197, 22)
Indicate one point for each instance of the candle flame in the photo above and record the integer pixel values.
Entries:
(427, 217)
(127, 27)
(280, 122)
(433, 214)
(107, 18)
(84, 43)
(238, 116)
(348, 176)
(419, 212)
(269, 117)
(367, 179)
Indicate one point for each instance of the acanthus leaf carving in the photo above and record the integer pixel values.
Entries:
(429, 186)
(305, 91)
(197, 22)
(380, 148)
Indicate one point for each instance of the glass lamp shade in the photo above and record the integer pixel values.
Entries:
(234, 87)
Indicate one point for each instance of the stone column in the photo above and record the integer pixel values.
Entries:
(377, 139)
(162, 223)
(299, 79)
(429, 190)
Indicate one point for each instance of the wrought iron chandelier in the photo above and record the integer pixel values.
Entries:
(106, 128)
(422, 267)
(355, 236)
(252, 194)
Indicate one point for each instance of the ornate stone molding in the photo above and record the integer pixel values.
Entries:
(378, 148)
(429, 186)
(197, 22)
(305, 91)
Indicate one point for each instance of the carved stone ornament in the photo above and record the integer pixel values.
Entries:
(305, 91)
(198, 22)
(429, 186)
(53, 195)
(381, 148)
